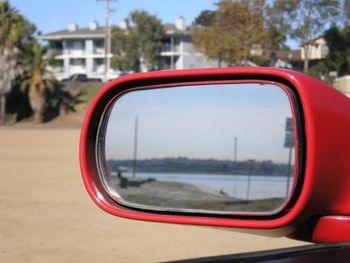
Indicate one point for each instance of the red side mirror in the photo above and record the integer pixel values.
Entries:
(163, 147)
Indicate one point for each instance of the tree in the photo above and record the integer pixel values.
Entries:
(139, 43)
(205, 18)
(39, 80)
(304, 20)
(125, 50)
(277, 37)
(346, 11)
(338, 42)
(236, 27)
(15, 31)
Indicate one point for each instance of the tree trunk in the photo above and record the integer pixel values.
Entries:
(2, 108)
(306, 59)
(38, 111)
(306, 65)
(39, 116)
(37, 102)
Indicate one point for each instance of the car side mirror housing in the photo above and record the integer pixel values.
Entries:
(262, 150)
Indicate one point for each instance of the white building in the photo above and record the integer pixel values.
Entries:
(178, 51)
(343, 85)
(82, 51)
(317, 49)
(79, 51)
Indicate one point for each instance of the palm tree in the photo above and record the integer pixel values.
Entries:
(15, 31)
(40, 80)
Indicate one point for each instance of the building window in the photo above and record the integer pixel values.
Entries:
(99, 46)
(77, 66)
(76, 46)
(57, 66)
(77, 62)
(55, 48)
(98, 65)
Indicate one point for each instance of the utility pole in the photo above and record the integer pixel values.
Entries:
(172, 50)
(107, 41)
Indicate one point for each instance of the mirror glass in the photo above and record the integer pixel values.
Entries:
(224, 148)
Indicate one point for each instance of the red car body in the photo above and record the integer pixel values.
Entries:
(319, 210)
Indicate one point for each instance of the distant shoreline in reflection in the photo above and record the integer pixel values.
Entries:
(201, 166)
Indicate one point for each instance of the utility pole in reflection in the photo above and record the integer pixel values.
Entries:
(288, 171)
(135, 146)
(289, 143)
(235, 163)
(250, 163)
(235, 150)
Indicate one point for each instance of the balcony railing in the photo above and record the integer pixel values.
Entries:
(99, 50)
(75, 51)
(56, 69)
(98, 69)
(55, 51)
(77, 69)
(58, 52)
(169, 48)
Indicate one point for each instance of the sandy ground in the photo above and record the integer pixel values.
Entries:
(46, 215)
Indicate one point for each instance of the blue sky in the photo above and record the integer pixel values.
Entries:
(51, 16)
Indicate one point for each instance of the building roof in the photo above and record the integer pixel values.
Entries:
(171, 29)
(312, 41)
(83, 33)
(289, 55)
(99, 32)
(95, 31)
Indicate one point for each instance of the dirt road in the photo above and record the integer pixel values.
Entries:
(46, 215)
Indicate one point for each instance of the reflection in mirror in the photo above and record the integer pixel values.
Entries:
(220, 148)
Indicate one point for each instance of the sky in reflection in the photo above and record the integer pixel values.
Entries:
(201, 122)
